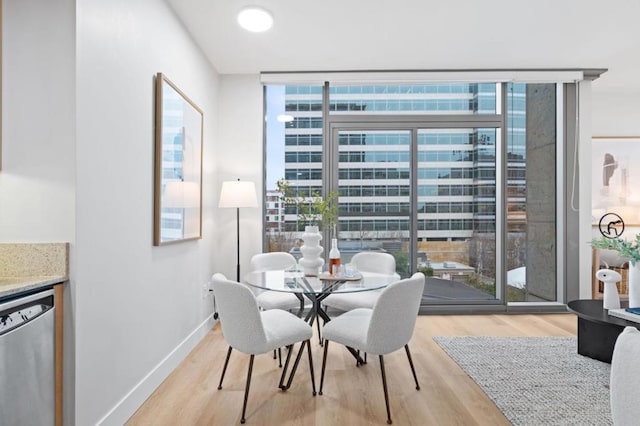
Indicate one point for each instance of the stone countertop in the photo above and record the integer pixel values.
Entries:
(26, 267)
(15, 285)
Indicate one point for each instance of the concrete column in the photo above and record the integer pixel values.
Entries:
(541, 191)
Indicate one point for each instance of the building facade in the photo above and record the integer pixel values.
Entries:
(378, 167)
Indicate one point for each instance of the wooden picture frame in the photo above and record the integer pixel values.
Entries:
(614, 178)
(178, 165)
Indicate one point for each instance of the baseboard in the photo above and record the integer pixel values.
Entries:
(128, 405)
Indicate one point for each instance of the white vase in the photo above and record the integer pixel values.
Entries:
(634, 285)
(611, 298)
(311, 251)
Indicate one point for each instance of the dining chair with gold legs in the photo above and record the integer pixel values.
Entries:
(251, 331)
(381, 330)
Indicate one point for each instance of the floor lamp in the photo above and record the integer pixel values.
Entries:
(236, 194)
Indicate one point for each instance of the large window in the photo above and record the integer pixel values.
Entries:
(443, 176)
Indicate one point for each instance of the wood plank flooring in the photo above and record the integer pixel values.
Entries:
(352, 395)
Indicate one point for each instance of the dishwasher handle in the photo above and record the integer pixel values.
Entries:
(25, 300)
(18, 312)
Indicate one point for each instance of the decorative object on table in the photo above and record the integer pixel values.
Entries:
(312, 212)
(334, 257)
(623, 285)
(178, 166)
(237, 194)
(311, 250)
(629, 249)
(611, 297)
(325, 276)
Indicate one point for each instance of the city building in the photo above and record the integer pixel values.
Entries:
(456, 169)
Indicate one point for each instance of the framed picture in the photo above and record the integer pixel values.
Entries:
(178, 166)
(614, 180)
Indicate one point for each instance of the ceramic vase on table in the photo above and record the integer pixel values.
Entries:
(311, 250)
(611, 299)
(634, 285)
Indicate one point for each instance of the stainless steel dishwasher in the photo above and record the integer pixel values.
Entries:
(27, 370)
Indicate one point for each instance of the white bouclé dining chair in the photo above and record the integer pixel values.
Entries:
(276, 261)
(251, 331)
(381, 330)
(366, 263)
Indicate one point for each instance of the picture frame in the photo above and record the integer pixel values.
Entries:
(178, 165)
(614, 170)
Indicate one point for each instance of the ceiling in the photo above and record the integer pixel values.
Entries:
(423, 34)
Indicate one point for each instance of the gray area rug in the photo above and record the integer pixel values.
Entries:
(535, 380)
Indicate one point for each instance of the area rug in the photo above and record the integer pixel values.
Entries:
(535, 380)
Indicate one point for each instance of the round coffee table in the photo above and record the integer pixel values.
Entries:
(597, 330)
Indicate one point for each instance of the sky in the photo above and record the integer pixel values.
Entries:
(275, 136)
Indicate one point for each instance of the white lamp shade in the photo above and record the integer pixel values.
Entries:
(238, 193)
(181, 194)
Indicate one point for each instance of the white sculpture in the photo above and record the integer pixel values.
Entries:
(311, 251)
(610, 278)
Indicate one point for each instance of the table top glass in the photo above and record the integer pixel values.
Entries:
(296, 282)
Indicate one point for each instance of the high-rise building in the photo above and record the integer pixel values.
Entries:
(456, 167)
(448, 154)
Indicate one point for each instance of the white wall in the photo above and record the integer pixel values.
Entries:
(615, 114)
(240, 155)
(135, 303)
(612, 114)
(37, 181)
(38, 105)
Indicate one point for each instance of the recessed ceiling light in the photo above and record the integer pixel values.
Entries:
(255, 19)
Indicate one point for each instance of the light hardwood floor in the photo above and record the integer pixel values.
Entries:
(352, 395)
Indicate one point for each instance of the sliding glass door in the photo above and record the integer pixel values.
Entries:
(374, 183)
(456, 209)
(426, 196)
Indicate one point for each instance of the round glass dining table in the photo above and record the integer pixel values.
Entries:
(316, 289)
